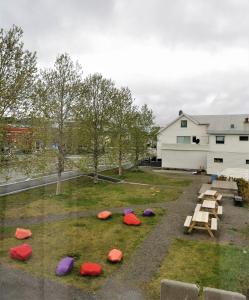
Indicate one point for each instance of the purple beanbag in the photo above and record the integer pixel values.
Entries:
(148, 212)
(128, 211)
(64, 266)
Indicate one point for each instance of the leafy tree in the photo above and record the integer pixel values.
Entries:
(119, 125)
(140, 133)
(17, 71)
(56, 94)
(94, 110)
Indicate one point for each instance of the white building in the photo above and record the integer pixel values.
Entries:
(211, 142)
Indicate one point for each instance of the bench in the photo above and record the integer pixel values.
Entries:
(187, 223)
(201, 196)
(220, 210)
(219, 197)
(214, 224)
(198, 207)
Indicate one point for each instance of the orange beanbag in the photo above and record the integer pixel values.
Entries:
(22, 233)
(131, 219)
(21, 252)
(115, 255)
(104, 215)
(90, 269)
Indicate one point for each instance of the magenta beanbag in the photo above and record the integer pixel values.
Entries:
(90, 269)
(64, 266)
(131, 219)
(21, 252)
(128, 211)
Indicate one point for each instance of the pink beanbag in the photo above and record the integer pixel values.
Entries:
(22, 252)
(104, 215)
(22, 233)
(131, 219)
(115, 255)
(90, 269)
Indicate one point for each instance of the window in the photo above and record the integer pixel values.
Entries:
(243, 138)
(220, 139)
(184, 123)
(183, 139)
(247, 161)
(218, 160)
(232, 126)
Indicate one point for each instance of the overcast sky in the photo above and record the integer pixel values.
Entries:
(173, 54)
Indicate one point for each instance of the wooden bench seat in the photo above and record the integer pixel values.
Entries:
(188, 221)
(219, 197)
(200, 197)
(214, 224)
(220, 210)
(198, 207)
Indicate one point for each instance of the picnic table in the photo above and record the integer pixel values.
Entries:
(200, 220)
(210, 195)
(212, 207)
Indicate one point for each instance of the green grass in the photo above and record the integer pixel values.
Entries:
(150, 177)
(205, 264)
(86, 239)
(83, 194)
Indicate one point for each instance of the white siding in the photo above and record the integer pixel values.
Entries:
(184, 159)
(232, 144)
(169, 135)
(230, 160)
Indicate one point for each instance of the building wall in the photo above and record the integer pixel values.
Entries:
(232, 144)
(181, 159)
(230, 160)
(169, 135)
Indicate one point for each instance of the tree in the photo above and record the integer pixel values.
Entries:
(56, 94)
(94, 110)
(17, 71)
(119, 125)
(140, 132)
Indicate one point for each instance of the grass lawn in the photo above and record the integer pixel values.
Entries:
(206, 264)
(83, 194)
(150, 177)
(87, 239)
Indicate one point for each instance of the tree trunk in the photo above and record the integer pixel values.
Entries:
(95, 162)
(120, 164)
(58, 186)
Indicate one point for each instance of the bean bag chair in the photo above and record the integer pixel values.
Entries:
(90, 269)
(131, 219)
(64, 266)
(148, 212)
(128, 211)
(115, 255)
(21, 252)
(22, 233)
(103, 215)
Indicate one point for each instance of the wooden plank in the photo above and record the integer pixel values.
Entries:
(220, 210)
(214, 224)
(198, 207)
(188, 221)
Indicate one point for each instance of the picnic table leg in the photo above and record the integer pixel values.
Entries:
(191, 227)
(209, 230)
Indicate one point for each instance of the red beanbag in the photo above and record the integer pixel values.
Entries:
(22, 233)
(90, 269)
(21, 252)
(115, 255)
(131, 219)
(104, 214)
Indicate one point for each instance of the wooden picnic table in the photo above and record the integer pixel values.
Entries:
(200, 220)
(210, 206)
(210, 195)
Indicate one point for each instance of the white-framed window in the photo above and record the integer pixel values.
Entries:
(184, 123)
(183, 139)
(220, 139)
(218, 160)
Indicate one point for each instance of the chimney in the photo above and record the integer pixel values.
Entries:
(180, 112)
